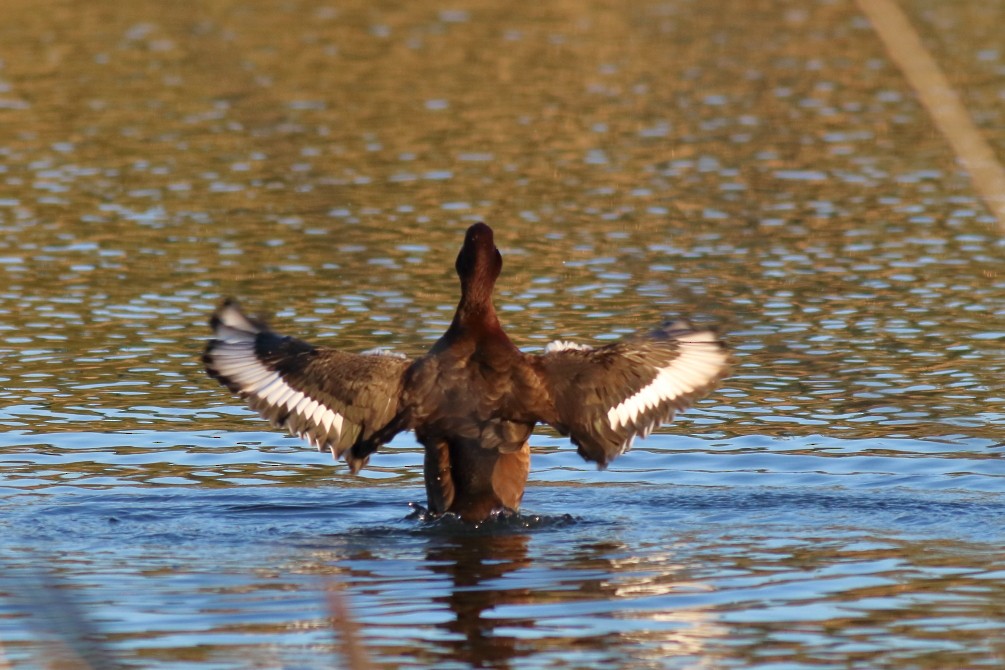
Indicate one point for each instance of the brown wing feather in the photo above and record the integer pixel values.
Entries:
(331, 398)
(603, 398)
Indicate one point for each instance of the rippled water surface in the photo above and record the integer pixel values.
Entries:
(838, 503)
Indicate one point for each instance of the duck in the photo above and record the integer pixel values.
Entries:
(474, 398)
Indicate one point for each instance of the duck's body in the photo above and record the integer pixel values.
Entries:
(474, 399)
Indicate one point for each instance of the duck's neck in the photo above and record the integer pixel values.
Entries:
(475, 312)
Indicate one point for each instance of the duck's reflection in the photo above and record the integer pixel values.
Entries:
(477, 565)
(465, 573)
(489, 598)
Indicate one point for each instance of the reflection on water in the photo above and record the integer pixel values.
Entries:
(836, 504)
(726, 577)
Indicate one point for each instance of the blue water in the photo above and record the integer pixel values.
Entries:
(837, 503)
(746, 552)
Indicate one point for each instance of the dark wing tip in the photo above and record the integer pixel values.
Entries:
(229, 315)
(216, 319)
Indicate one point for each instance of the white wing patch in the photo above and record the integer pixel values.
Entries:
(563, 345)
(700, 361)
(234, 359)
(382, 351)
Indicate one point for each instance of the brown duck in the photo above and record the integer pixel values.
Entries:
(474, 399)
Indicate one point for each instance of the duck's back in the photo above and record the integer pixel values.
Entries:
(467, 390)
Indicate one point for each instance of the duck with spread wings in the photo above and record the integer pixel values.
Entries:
(474, 398)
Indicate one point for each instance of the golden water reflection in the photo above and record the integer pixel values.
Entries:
(758, 165)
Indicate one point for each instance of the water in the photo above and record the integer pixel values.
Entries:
(837, 503)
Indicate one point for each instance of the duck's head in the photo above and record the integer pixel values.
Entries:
(479, 262)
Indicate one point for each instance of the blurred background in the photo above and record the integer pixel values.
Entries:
(761, 166)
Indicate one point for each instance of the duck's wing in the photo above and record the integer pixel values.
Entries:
(606, 396)
(331, 398)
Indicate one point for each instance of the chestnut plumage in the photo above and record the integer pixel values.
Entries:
(474, 399)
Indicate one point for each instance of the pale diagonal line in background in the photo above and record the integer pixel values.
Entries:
(943, 104)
